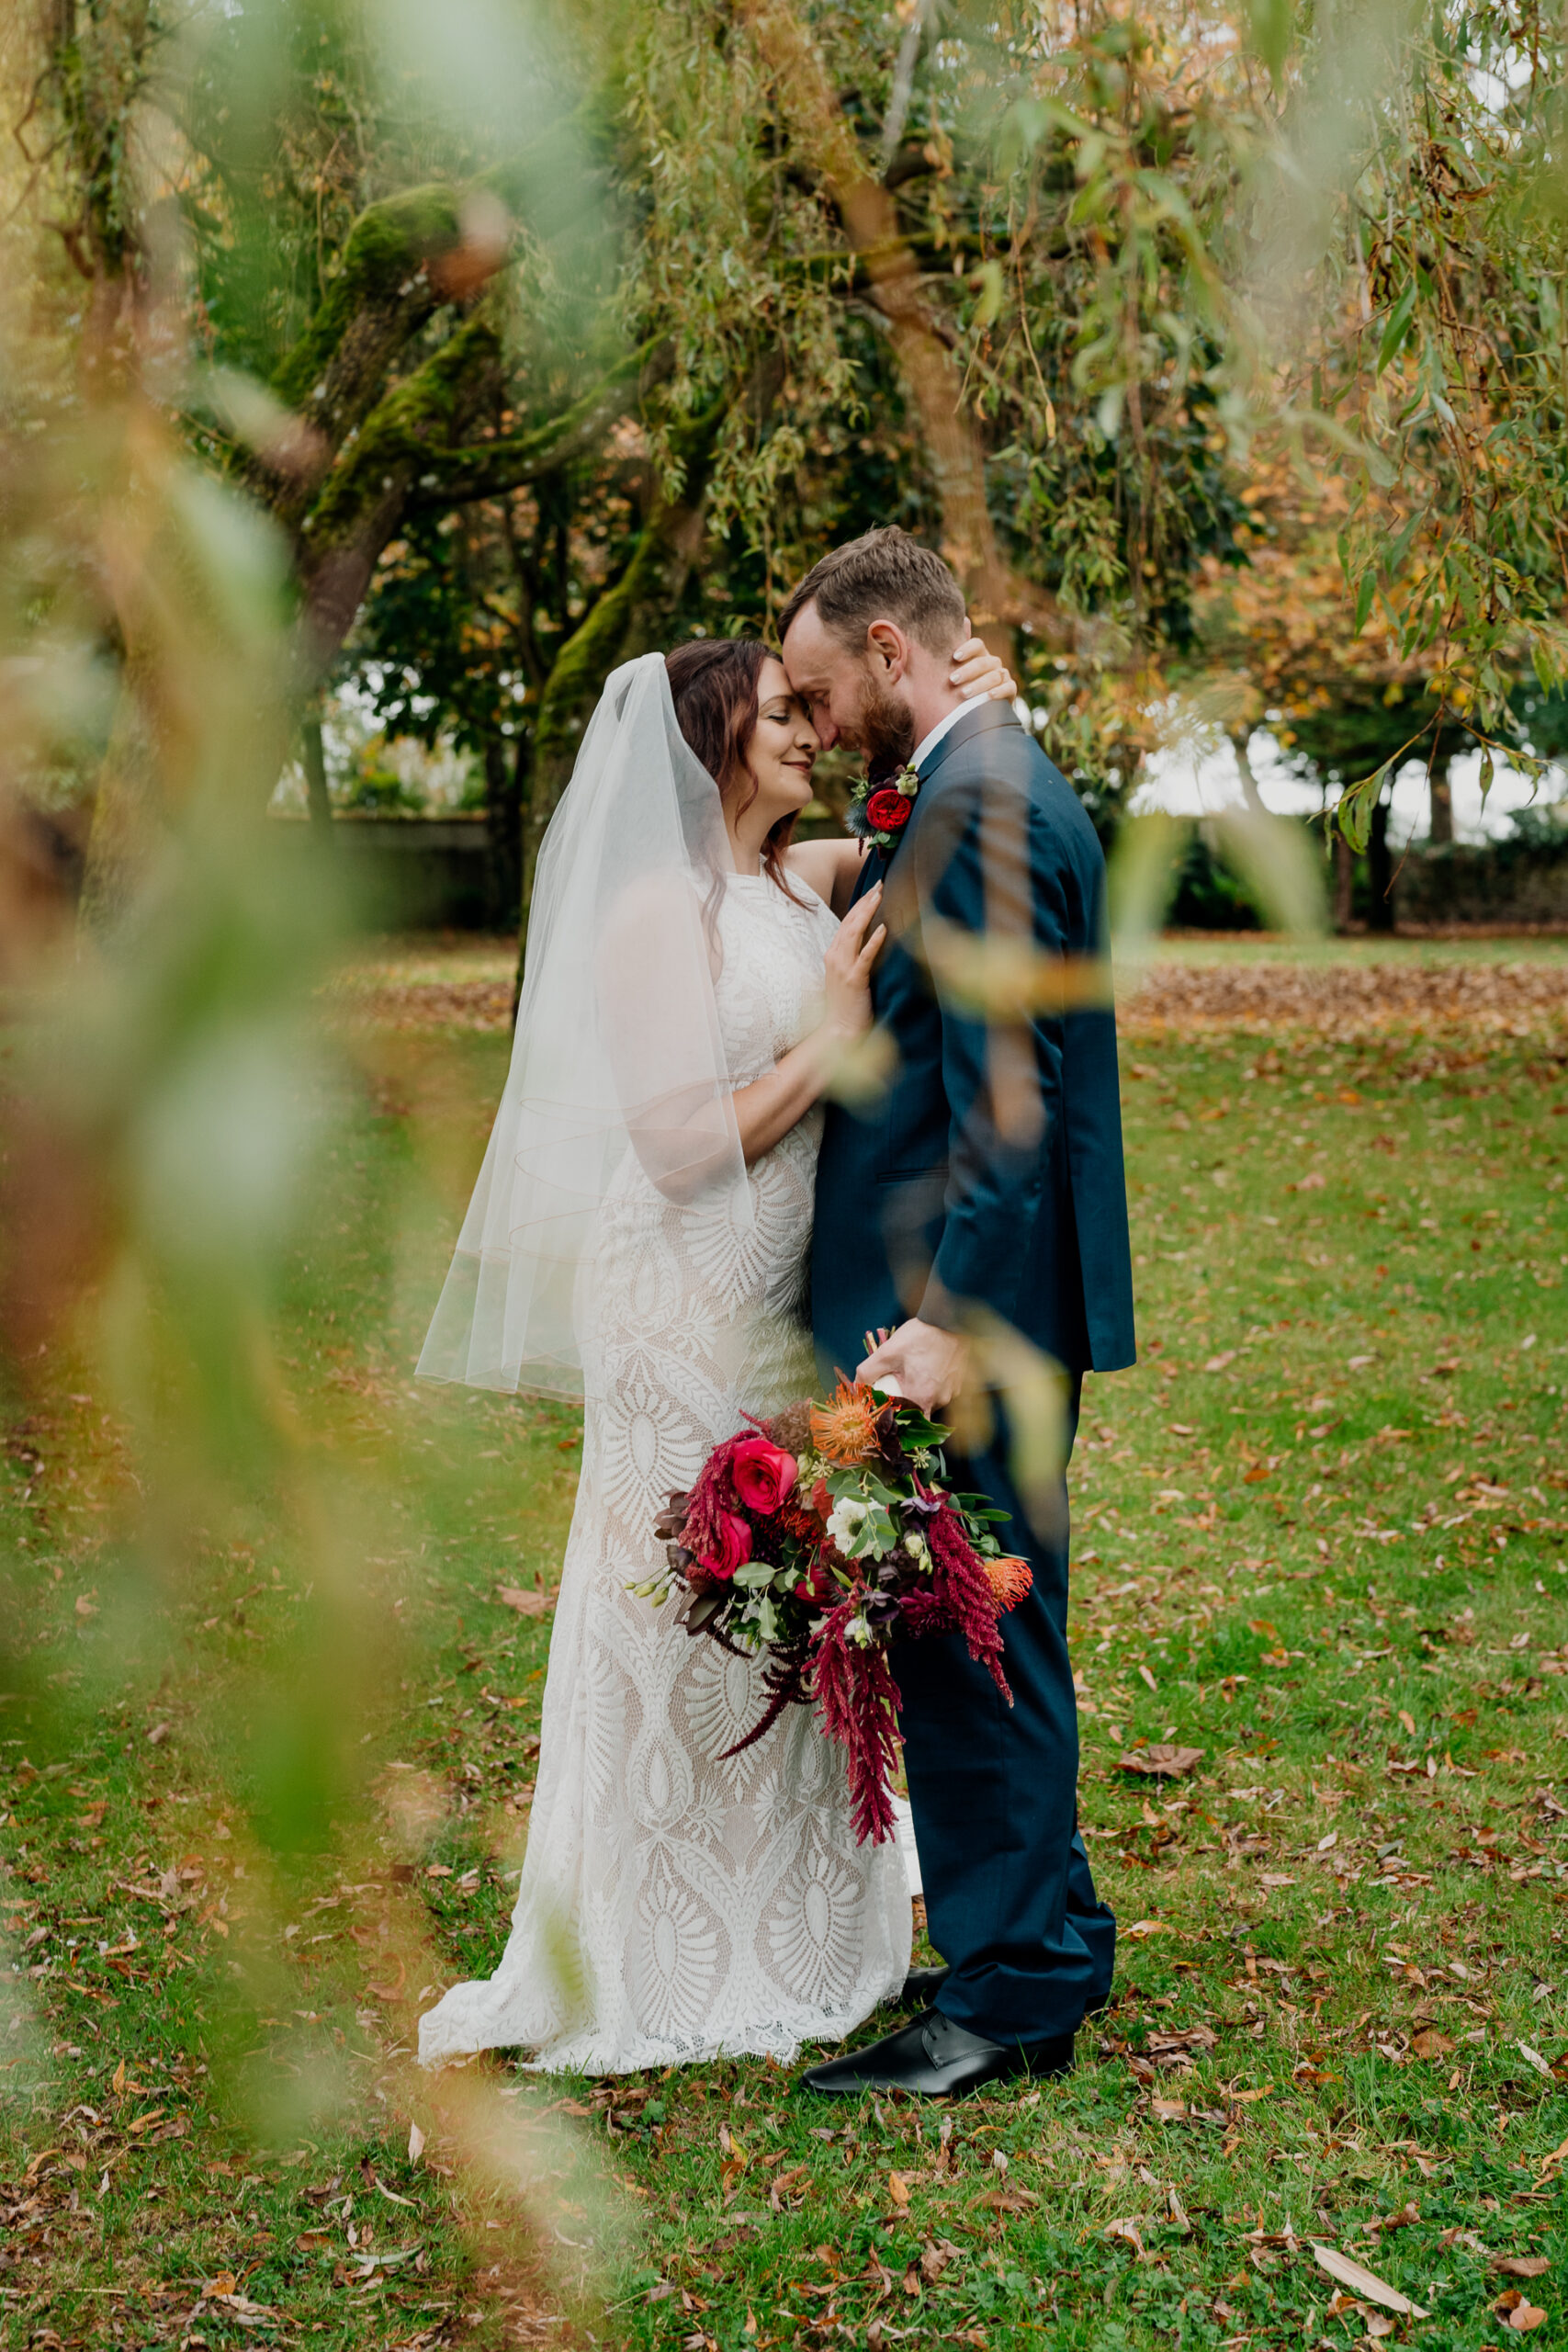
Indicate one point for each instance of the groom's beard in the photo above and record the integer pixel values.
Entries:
(886, 731)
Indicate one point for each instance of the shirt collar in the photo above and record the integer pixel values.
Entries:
(927, 743)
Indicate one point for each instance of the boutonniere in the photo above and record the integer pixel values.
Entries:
(880, 806)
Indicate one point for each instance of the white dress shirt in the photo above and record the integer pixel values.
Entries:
(929, 742)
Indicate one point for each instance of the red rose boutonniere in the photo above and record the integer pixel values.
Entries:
(880, 807)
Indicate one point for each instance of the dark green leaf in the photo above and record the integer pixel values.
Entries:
(1353, 810)
(1398, 324)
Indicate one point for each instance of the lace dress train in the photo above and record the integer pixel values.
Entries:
(676, 1905)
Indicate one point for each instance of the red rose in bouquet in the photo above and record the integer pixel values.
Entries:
(763, 1474)
(887, 811)
(731, 1546)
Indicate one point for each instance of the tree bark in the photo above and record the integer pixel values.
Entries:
(384, 291)
(1440, 826)
(415, 441)
(405, 258)
(318, 799)
(506, 770)
(368, 494)
(1380, 864)
(1344, 882)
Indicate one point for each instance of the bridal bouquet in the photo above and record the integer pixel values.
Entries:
(814, 1538)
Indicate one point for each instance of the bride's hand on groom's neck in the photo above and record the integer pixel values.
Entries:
(977, 671)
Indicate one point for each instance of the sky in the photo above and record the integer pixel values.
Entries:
(1195, 783)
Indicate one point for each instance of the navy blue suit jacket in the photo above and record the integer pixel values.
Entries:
(988, 1174)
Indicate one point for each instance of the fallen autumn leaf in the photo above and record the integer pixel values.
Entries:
(1366, 2282)
(526, 1603)
(1160, 1761)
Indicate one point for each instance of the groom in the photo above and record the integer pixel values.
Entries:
(977, 1210)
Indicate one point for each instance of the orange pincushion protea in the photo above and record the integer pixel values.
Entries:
(844, 1429)
(1009, 1579)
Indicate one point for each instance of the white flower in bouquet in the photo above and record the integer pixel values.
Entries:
(860, 1530)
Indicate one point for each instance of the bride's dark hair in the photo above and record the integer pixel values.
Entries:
(714, 685)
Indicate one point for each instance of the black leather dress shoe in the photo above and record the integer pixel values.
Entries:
(933, 2058)
(919, 1988)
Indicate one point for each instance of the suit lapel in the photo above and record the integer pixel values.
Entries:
(899, 904)
(981, 720)
(873, 868)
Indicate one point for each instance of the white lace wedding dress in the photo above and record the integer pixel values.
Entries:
(674, 1906)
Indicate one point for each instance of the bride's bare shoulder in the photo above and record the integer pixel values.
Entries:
(830, 869)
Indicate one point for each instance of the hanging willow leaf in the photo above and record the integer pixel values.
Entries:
(1353, 810)
(1398, 325)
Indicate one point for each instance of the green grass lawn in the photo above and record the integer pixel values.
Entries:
(1321, 1535)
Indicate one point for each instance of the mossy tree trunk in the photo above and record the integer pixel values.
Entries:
(416, 450)
(387, 393)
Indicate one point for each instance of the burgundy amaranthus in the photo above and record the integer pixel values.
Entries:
(966, 1594)
(859, 1701)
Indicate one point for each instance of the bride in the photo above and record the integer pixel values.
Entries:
(638, 1236)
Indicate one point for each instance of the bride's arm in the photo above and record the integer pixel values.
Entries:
(655, 985)
(831, 868)
(767, 1109)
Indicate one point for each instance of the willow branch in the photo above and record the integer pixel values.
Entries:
(490, 469)
(868, 212)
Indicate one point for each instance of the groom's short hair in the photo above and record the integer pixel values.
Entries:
(883, 576)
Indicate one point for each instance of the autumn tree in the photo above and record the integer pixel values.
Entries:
(1070, 244)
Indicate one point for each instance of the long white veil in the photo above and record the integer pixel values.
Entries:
(617, 1047)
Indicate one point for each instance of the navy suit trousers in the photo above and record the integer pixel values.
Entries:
(1009, 1900)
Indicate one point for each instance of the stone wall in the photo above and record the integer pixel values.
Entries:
(402, 872)
(430, 874)
(1506, 882)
